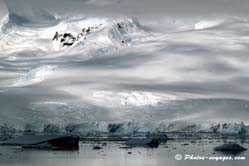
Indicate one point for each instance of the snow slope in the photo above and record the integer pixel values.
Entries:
(115, 73)
(35, 75)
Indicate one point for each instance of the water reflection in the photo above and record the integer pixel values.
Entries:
(113, 155)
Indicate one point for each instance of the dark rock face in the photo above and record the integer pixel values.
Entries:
(119, 26)
(56, 36)
(232, 147)
(70, 39)
(67, 39)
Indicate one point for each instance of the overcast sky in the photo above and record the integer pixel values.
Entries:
(159, 15)
(181, 8)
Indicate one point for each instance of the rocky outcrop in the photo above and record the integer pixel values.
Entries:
(230, 147)
(45, 142)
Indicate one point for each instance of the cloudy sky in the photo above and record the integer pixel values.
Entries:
(142, 8)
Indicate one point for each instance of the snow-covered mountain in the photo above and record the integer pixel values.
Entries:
(66, 72)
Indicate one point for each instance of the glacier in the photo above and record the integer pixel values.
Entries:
(69, 73)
